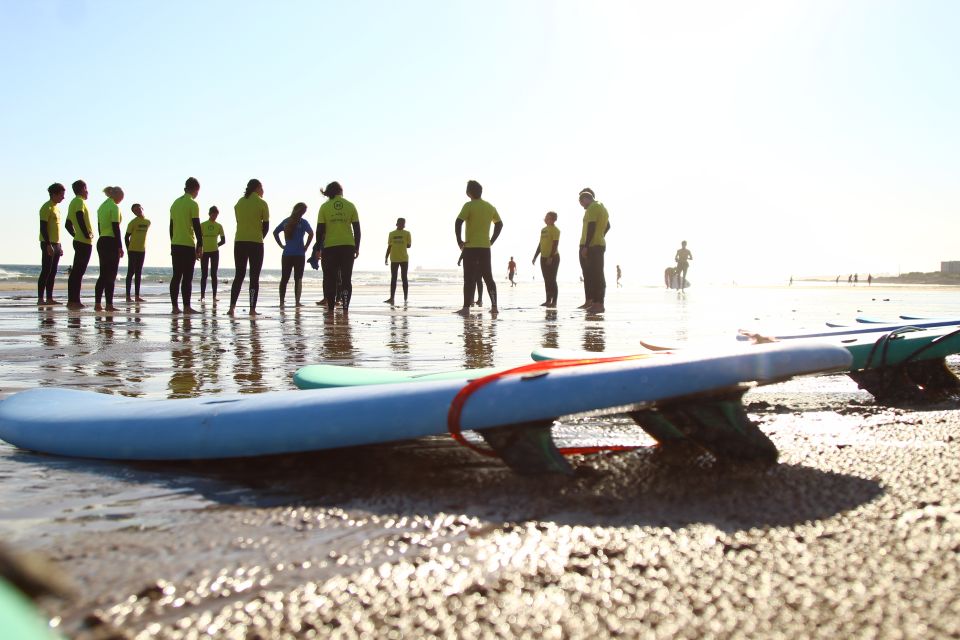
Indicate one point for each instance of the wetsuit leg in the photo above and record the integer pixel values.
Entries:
(394, 267)
(113, 267)
(403, 277)
(471, 275)
(486, 272)
(346, 274)
(585, 274)
(134, 269)
(214, 267)
(241, 255)
(204, 270)
(298, 264)
(104, 247)
(595, 269)
(81, 258)
(256, 264)
(286, 267)
(45, 262)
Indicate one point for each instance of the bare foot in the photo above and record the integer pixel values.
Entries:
(75, 305)
(586, 305)
(230, 311)
(98, 308)
(465, 312)
(389, 301)
(41, 303)
(139, 299)
(176, 310)
(129, 299)
(51, 301)
(494, 311)
(299, 304)
(112, 308)
(596, 307)
(190, 310)
(254, 312)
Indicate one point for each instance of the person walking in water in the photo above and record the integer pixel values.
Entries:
(478, 214)
(548, 250)
(338, 233)
(50, 248)
(682, 258)
(253, 220)
(619, 275)
(78, 226)
(184, 227)
(593, 245)
(109, 247)
(213, 239)
(294, 229)
(135, 240)
(512, 271)
(398, 241)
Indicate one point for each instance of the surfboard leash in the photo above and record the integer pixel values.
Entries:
(460, 400)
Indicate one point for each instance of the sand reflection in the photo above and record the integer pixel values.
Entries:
(479, 340)
(337, 346)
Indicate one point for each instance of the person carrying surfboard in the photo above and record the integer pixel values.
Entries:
(398, 241)
(593, 246)
(549, 254)
(478, 214)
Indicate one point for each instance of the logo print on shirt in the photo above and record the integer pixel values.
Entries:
(338, 205)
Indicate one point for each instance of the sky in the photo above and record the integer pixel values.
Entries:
(817, 137)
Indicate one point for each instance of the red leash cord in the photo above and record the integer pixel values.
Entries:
(460, 400)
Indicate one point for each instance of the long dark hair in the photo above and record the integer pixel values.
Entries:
(333, 190)
(295, 216)
(252, 185)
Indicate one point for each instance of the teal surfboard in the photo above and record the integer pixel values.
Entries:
(325, 376)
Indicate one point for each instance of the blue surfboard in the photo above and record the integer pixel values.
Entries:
(88, 424)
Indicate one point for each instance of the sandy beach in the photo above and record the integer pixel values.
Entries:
(855, 533)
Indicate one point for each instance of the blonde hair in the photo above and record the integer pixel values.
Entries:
(112, 192)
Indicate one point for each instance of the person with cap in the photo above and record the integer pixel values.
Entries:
(593, 246)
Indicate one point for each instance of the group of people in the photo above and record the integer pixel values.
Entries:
(472, 230)
(336, 245)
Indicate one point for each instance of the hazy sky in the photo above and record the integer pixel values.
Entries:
(777, 138)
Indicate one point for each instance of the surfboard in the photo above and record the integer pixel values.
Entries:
(513, 413)
(905, 364)
(867, 328)
(326, 376)
(19, 617)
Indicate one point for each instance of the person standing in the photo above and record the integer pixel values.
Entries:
(213, 239)
(253, 220)
(593, 245)
(398, 241)
(338, 233)
(136, 241)
(184, 252)
(294, 229)
(549, 251)
(512, 271)
(683, 258)
(78, 226)
(50, 249)
(478, 214)
(109, 247)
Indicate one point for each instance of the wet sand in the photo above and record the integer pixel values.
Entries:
(855, 533)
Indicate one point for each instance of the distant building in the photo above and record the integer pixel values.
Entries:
(953, 266)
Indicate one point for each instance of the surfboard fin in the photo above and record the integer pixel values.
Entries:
(528, 448)
(715, 421)
(922, 381)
